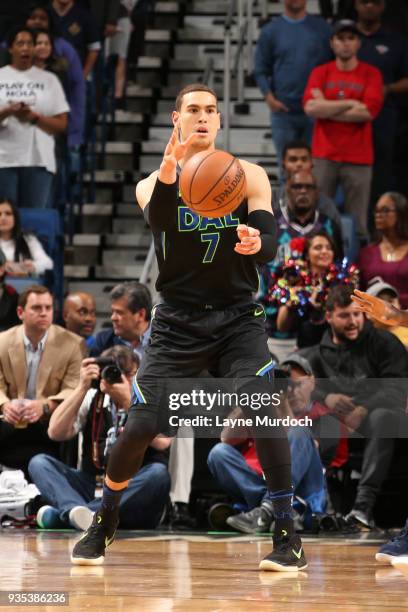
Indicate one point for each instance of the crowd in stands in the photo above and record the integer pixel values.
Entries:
(336, 92)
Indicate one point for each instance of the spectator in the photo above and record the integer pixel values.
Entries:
(395, 15)
(79, 314)
(24, 252)
(351, 354)
(39, 365)
(234, 463)
(289, 47)
(8, 299)
(10, 14)
(310, 325)
(388, 294)
(39, 19)
(344, 96)
(297, 156)
(299, 219)
(33, 109)
(387, 51)
(78, 27)
(339, 9)
(72, 492)
(106, 14)
(131, 305)
(118, 45)
(388, 255)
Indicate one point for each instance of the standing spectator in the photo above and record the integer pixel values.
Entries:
(289, 47)
(33, 109)
(297, 156)
(131, 305)
(387, 51)
(106, 15)
(118, 45)
(344, 96)
(8, 299)
(39, 19)
(79, 314)
(388, 255)
(351, 355)
(39, 366)
(78, 27)
(24, 252)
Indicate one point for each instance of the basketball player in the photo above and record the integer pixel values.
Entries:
(206, 321)
(394, 552)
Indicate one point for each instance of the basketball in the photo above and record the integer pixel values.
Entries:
(212, 183)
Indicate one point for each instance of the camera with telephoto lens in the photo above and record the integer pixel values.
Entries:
(110, 371)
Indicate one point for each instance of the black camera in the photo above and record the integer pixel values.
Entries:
(110, 371)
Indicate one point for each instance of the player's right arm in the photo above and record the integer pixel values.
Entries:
(157, 194)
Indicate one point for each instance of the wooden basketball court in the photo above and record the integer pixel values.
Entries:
(162, 572)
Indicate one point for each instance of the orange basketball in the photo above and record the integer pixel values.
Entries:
(212, 183)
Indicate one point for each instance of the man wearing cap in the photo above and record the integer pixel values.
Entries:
(239, 473)
(344, 96)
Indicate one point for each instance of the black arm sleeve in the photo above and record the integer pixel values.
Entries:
(159, 212)
(264, 221)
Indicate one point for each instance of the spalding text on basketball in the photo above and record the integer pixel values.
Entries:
(231, 186)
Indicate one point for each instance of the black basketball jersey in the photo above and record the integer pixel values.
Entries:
(197, 262)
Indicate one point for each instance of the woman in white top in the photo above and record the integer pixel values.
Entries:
(33, 108)
(24, 252)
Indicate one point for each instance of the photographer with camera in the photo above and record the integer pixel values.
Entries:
(97, 409)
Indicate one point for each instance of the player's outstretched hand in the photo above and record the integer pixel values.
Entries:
(174, 151)
(250, 240)
(375, 308)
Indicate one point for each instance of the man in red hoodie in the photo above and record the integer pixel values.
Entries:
(344, 96)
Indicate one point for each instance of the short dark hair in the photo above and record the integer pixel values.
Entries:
(137, 294)
(125, 357)
(190, 88)
(15, 31)
(296, 144)
(37, 289)
(339, 297)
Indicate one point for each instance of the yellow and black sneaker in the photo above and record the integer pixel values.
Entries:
(287, 555)
(90, 549)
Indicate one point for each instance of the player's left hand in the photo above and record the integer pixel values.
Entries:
(250, 240)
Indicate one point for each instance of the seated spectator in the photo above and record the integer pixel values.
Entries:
(39, 19)
(24, 252)
(39, 368)
(388, 294)
(298, 219)
(8, 299)
(79, 314)
(118, 45)
(234, 463)
(306, 316)
(71, 492)
(344, 96)
(77, 25)
(388, 255)
(351, 355)
(131, 305)
(33, 109)
(297, 156)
